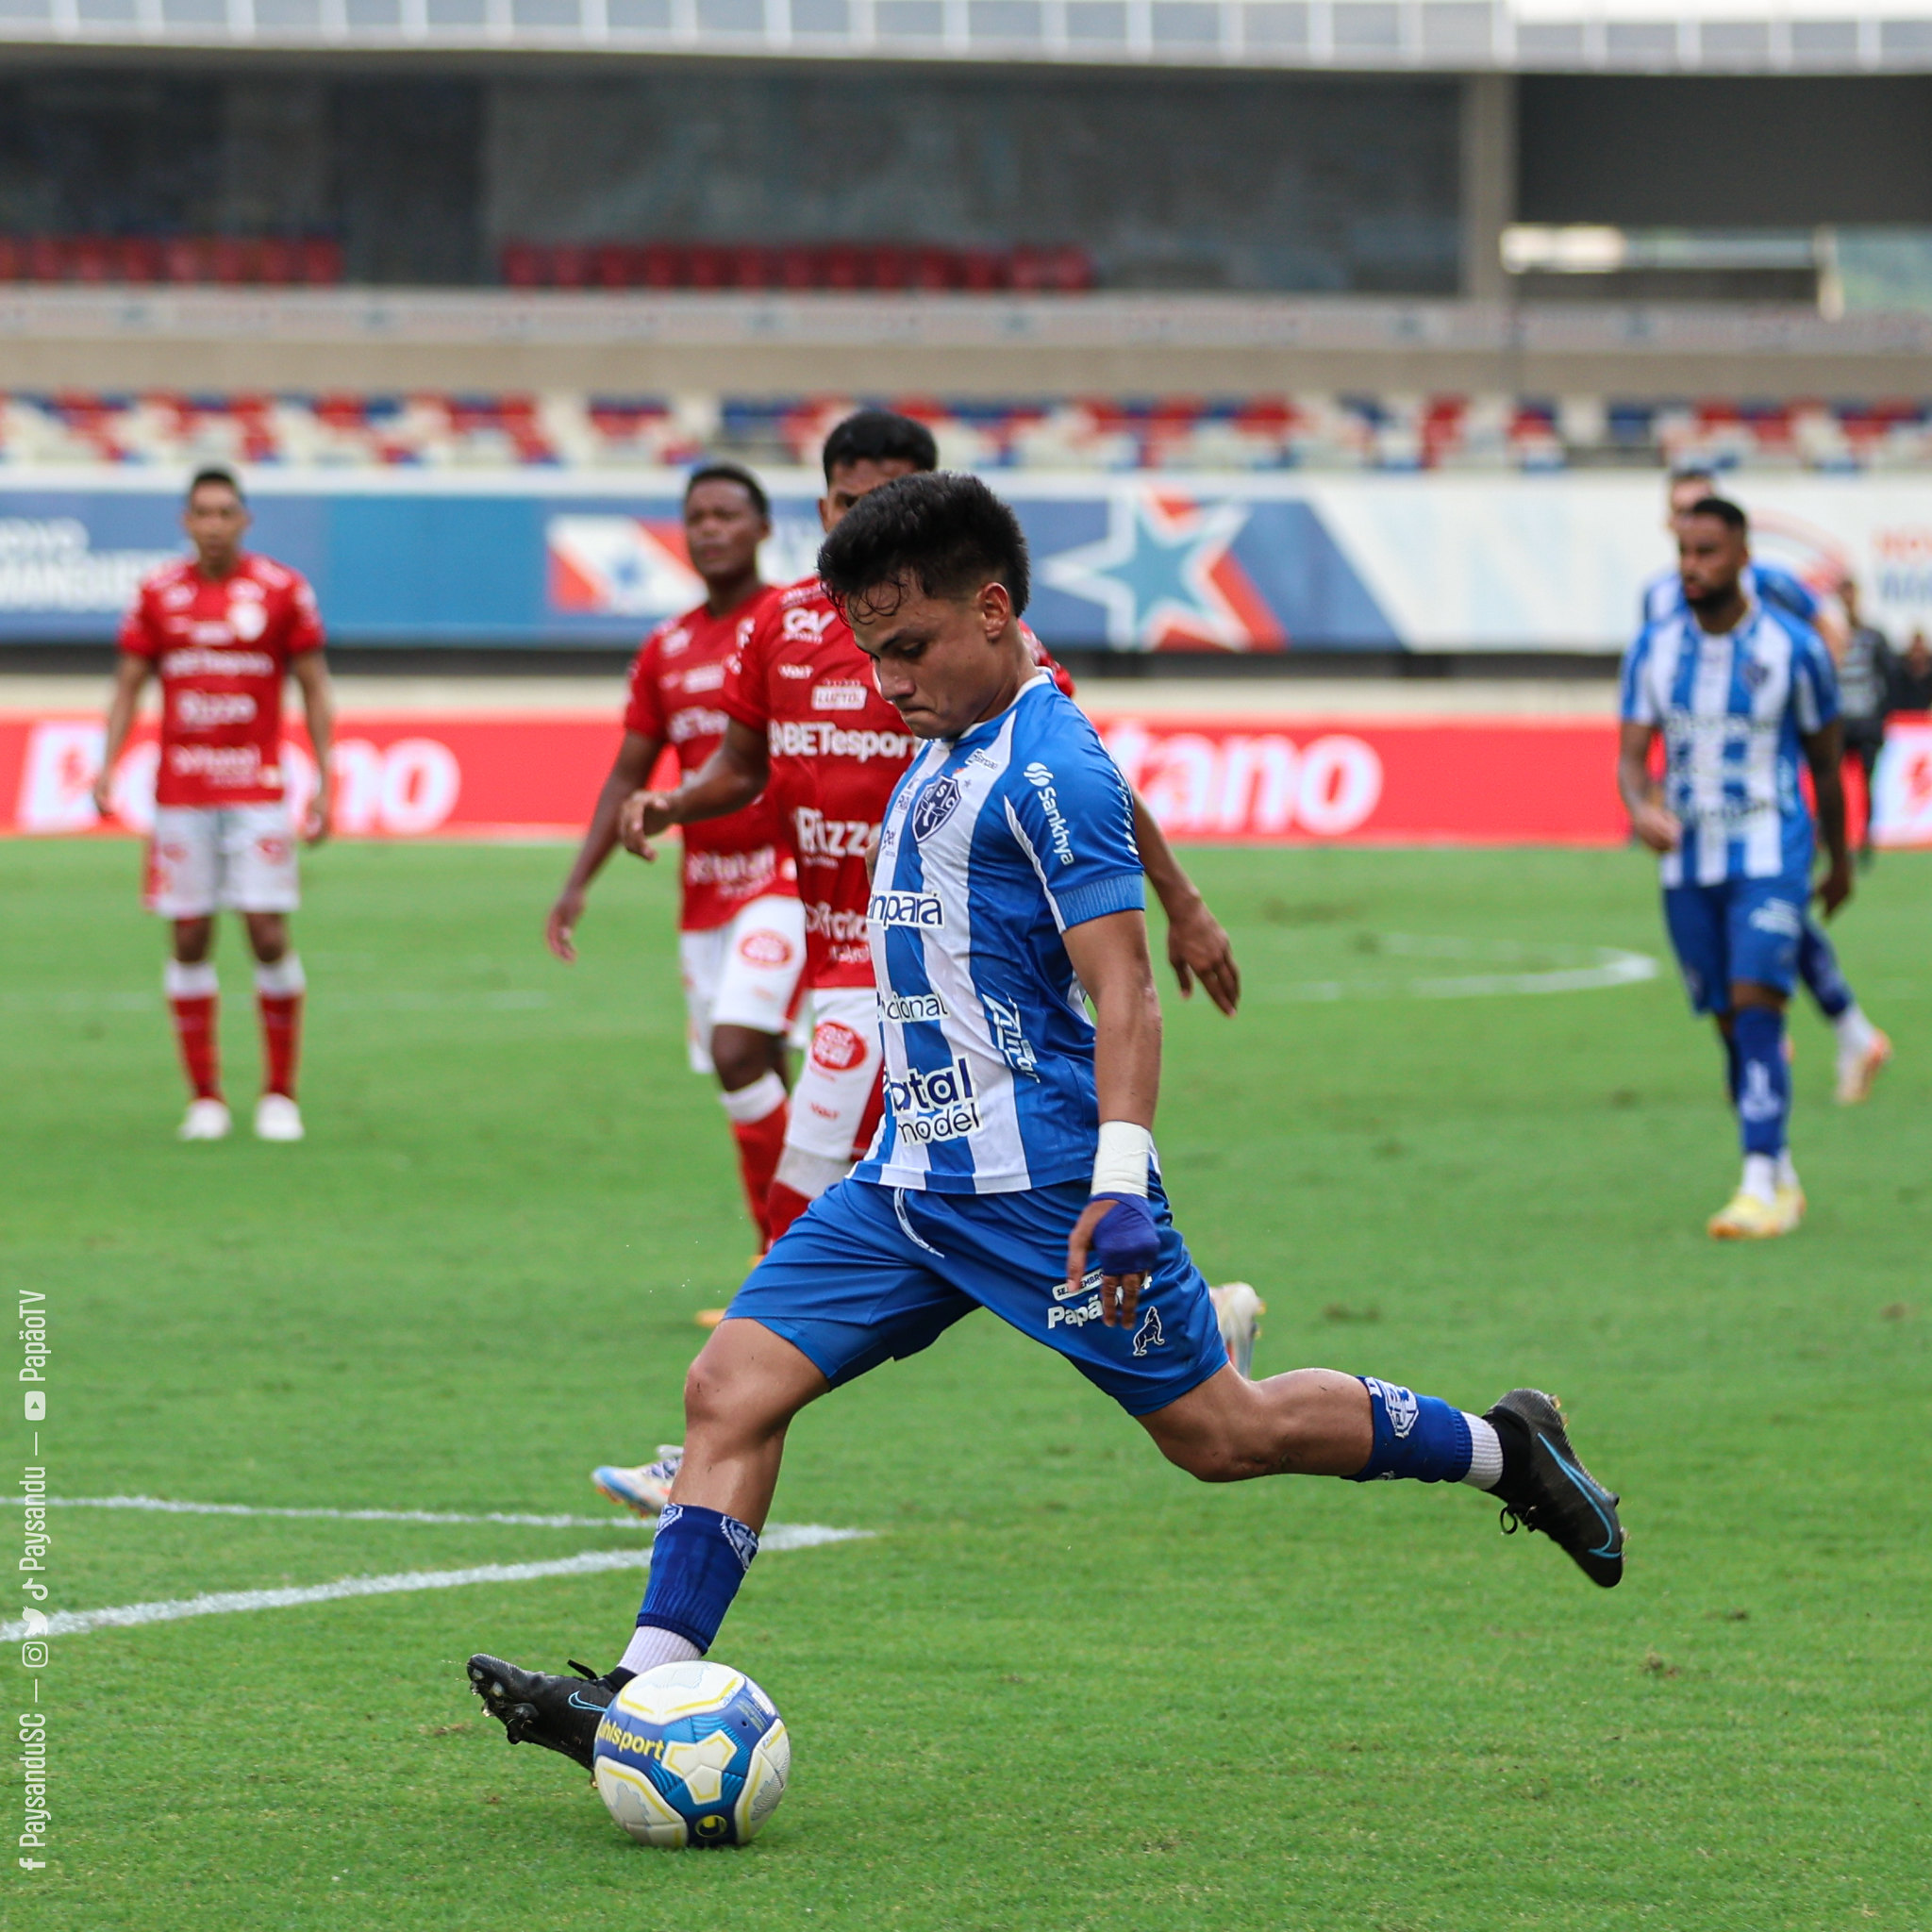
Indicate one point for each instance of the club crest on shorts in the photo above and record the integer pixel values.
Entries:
(936, 803)
(1148, 1335)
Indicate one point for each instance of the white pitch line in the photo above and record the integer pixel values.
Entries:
(618, 1518)
(777, 1536)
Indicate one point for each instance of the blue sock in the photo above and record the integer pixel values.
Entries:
(1416, 1436)
(1733, 1067)
(698, 1560)
(1818, 968)
(1764, 1081)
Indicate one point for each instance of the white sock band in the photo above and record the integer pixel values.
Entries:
(1852, 1029)
(1485, 1454)
(1761, 1177)
(809, 1175)
(282, 980)
(1123, 1158)
(649, 1646)
(197, 982)
(765, 1095)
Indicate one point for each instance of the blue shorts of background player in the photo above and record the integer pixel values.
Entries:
(1738, 931)
(872, 1274)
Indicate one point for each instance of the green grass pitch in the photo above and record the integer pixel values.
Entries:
(1061, 1687)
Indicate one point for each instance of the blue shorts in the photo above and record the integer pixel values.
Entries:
(869, 1273)
(1738, 929)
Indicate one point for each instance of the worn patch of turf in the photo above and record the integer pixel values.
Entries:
(1063, 1687)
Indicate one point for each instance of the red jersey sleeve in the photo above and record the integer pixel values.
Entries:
(1063, 678)
(745, 696)
(644, 711)
(302, 631)
(139, 634)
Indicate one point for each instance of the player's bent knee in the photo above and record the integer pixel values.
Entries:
(746, 1385)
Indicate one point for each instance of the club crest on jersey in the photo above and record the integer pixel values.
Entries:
(801, 622)
(921, 912)
(936, 803)
(1755, 673)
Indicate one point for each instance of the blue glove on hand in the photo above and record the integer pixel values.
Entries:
(1127, 1242)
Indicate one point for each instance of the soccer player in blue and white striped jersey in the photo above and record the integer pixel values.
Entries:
(1015, 1169)
(1862, 1049)
(1742, 695)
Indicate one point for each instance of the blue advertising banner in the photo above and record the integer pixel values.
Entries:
(1134, 562)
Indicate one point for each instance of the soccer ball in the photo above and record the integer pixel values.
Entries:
(693, 1753)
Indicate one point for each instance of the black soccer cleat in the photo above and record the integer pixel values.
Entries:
(559, 1713)
(1546, 1487)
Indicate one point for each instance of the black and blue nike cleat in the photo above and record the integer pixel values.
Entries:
(1545, 1486)
(559, 1713)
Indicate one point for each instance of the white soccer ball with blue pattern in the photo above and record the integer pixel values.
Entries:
(693, 1753)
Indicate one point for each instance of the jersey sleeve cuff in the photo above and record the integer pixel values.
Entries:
(1125, 892)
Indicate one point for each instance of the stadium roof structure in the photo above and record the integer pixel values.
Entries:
(1459, 36)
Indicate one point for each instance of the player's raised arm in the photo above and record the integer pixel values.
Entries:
(727, 781)
(1197, 943)
(130, 674)
(629, 770)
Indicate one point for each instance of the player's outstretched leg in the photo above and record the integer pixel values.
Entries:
(1862, 1048)
(1318, 1422)
(740, 1397)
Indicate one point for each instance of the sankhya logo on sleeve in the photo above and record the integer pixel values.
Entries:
(936, 803)
(1401, 1405)
(1042, 779)
(923, 911)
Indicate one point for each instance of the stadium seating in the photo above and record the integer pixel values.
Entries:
(1284, 432)
(834, 266)
(224, 260)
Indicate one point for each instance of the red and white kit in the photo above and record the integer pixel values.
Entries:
(836, 750)
(742, 930)
(223, 836)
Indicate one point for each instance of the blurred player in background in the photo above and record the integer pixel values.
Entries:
(1862, 1048)
(740, 927)
(1740, 690)
(807, 721)
(223, 629)
(1867, 670)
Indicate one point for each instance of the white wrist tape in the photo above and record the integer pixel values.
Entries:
(1120, 1163)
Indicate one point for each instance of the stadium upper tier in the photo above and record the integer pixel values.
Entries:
(1312, 431)
(1643, 36)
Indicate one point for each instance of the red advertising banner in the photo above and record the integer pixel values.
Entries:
(1239, 780)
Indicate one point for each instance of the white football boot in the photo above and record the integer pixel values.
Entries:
(206, 1120)
(1237, 1311)
(645, 1490)
(278, 1118)
(1859, 1068)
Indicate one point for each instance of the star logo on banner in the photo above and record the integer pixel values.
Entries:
(1164, 577)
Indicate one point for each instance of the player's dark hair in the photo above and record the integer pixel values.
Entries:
(947, 533)
(731, 473)
(878, 436)
(215, 474)
(1693, 473)
(1724, 509)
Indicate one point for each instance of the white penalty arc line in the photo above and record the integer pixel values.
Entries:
(777, 1536)
(1614, 967)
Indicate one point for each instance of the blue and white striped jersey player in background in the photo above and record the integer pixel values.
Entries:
(1862, 1048)
(1742, 693)
(1015, 1168)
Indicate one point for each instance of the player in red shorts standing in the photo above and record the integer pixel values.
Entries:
(740, 927)
(809, 730)
(223, 629)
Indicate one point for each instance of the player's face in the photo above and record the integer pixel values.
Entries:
(1711, 556)
(214, 520)
(944, 663)
(850, 481)
(723, 529)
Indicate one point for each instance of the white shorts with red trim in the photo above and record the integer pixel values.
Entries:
(743, 973)
(834, 1106)
(205, 859)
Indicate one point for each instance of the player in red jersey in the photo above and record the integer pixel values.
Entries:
(741, 929)
(223, 630)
